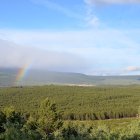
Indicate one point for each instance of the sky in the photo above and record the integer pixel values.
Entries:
(96, 37)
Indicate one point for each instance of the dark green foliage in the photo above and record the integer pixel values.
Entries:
(47, 125)
(15, 126)
(2, 120)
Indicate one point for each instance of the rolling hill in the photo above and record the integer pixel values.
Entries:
(42, 77)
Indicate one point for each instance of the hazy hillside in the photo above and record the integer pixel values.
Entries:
(42, 77)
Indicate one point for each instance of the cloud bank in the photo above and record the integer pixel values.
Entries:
(95, 52)
(13, 55)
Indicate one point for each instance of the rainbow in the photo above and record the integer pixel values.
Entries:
(21, 73)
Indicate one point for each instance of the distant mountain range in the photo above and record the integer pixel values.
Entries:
(8, 77)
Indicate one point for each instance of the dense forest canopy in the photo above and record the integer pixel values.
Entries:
(77, 103)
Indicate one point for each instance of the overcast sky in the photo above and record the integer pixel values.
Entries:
(97, 37)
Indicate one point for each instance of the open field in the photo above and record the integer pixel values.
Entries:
(112, 124)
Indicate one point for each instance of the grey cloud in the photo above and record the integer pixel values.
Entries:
(13, 55)
(101, 2)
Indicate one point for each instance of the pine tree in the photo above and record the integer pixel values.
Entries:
(49, 119)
